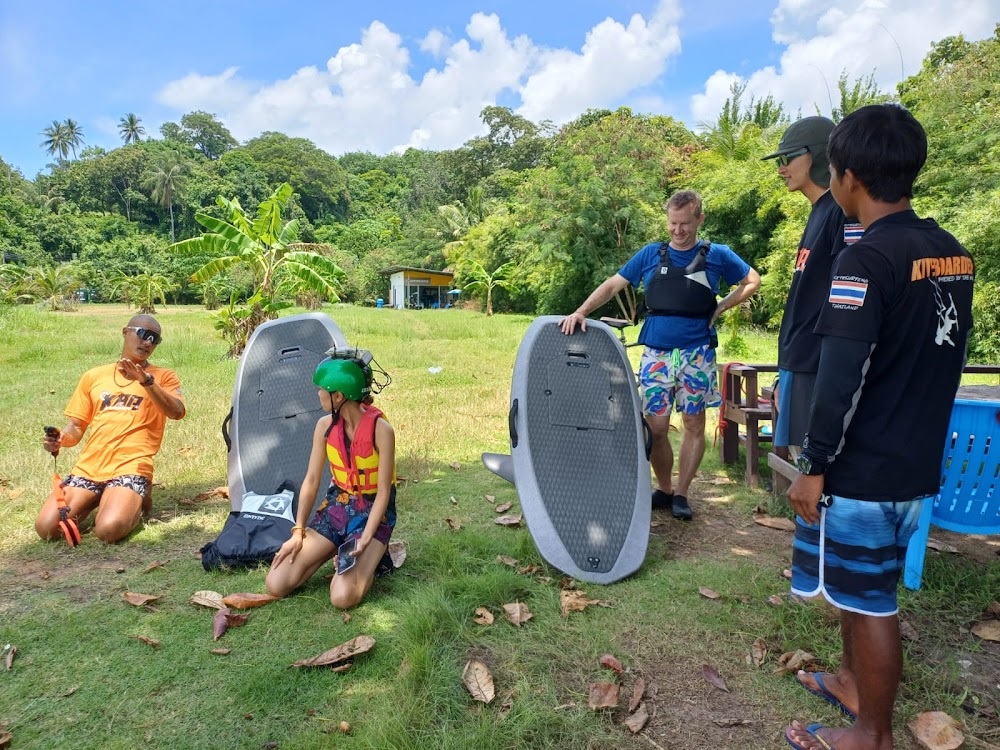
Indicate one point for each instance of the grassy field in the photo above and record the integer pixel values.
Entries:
(80, 678)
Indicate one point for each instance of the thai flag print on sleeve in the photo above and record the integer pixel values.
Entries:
(849, 291)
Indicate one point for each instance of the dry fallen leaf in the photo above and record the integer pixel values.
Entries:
(221, 651)
(397, 551)
(248, 601)
(936, 730)
(217, 492)
(528, 570)
(638, 689)
(211, 599)
(344, 727)
(758, 652)
(9, 661)
(603, 695)
(483, 616)
(453, 500)
(220, 623)
(503, 508)
(507, 560)
(45, 575)
(775, 601)
(772, 522)
(988, 630)
(787, 573)
(637, 721)
(907, 631)
(155, 564)
(491, 498)
(941, 546)
(455, 465)
(235, 620)
(453, 524)
(571, 600)
(517, 613)
(508, 520)
(733, 722)
(712, 676)
(792, 661)
(5, 737)
(346, 618)
(994, 609)
(506, 704)
(609, 661)
(359, 645)
(147, 640)
(478, 681)
(138, 600)
(342, 667)
(70, 692)
(709, 593)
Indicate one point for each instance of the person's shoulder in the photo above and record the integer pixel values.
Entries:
(157, 370)
(722, 252)
(100, 371)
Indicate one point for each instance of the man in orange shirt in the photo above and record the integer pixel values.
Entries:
(126, 405)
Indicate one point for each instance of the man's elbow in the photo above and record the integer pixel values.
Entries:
(752, 282)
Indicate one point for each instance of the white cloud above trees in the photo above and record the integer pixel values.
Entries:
(822, 38)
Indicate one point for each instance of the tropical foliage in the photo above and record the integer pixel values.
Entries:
(561, 208)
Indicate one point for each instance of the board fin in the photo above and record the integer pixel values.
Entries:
(500, 464)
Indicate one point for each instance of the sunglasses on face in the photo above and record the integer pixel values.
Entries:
(783, 159)
(146, 335)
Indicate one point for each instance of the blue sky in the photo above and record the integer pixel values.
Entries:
(387, 75)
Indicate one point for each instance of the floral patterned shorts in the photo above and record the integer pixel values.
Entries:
(342, 516)
(139, 485)
(685, 379)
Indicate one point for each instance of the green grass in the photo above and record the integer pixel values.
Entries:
(80, 681)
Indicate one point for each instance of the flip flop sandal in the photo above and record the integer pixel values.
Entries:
(812, 729)
(827, 695)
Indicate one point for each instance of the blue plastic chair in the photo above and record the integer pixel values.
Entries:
(969, 502)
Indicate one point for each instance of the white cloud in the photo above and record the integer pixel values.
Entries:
(367, 99)
(824, 37)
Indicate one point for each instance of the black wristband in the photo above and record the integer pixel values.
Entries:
(148, 381)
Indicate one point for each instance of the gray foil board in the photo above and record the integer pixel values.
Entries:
(275, 406)
(579, 460)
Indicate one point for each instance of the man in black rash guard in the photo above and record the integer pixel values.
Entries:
(803, 165)
(895, 327)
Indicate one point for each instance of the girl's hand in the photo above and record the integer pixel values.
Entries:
(360, 545)
(289, 549)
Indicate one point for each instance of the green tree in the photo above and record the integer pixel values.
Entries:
(56, 141)
(207, 134)
(73, 134)
(166, 181)
(150, 287)
(130, 129)
(488, 281)
(267, 247)
(54, 285)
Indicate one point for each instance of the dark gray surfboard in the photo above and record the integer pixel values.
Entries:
(578, 451)
(275, 406)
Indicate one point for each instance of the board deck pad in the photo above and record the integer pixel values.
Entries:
(578, 451)
(275, 406)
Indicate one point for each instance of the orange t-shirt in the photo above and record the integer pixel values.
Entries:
(126, 428)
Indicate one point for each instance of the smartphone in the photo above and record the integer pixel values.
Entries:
(346, 561)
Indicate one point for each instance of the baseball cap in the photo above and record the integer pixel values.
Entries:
(809, 131)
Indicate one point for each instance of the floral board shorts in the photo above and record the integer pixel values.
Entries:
(139, 485)
(343, 516)
(682, 378)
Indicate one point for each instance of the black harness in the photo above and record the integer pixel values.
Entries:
(681, 291)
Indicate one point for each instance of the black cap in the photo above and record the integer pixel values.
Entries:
(814, 133)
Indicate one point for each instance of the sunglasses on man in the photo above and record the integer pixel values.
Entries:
(146, 335)
(783, 159)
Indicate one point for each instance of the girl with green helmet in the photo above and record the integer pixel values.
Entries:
(356, 519)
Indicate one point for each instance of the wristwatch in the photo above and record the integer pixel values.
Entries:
(148, 381)
(806, 466)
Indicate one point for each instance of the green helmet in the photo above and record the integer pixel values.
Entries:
(340, 375)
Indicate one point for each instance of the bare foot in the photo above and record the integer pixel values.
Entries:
(833, 688)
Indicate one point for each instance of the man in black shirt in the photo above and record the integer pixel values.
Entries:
(895, 328)
(803, 165)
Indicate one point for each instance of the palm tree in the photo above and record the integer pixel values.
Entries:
(51, 284)
(130, 129)
(74, 134)
(482, 280)
(56, 143)
(267, 246)
(165, 183)
(148, 289)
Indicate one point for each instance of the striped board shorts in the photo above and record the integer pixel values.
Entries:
(855, 555)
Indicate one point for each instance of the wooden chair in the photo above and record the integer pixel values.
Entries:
(742, 406)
